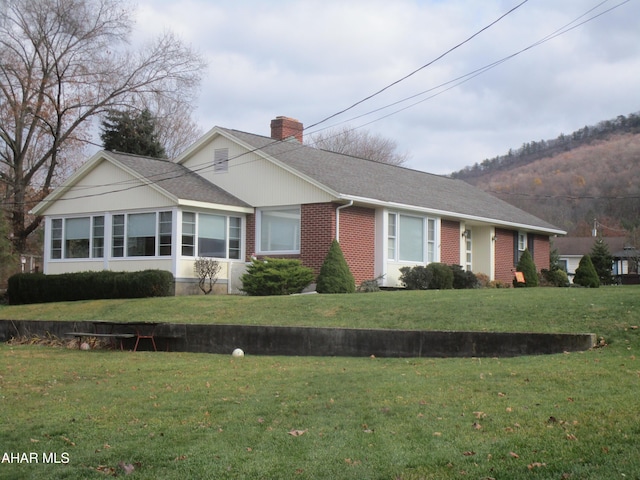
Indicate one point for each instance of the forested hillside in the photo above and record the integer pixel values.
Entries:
(592, 174)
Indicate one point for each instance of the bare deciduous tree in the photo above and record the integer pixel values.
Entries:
(359, 143)
(62, 63)
(207, 270)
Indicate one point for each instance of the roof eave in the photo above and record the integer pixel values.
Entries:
(214, 206)
(462, 216)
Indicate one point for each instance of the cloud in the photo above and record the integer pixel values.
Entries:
(311, 59)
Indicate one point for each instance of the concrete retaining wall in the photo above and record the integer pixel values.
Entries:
(301, 341)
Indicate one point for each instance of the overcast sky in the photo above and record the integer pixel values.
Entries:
(309, 59)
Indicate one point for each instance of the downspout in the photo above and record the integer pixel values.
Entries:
(350, 204)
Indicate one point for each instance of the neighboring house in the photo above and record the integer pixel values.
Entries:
(625, 257)
(233, 195)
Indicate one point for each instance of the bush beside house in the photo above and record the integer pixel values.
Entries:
(276, 276)
(528, 269)
(38, 288)
(335, 276)
(586, 275)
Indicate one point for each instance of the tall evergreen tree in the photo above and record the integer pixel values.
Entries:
(602, 261)
(335, 276)
(131, 132)
(528, 269)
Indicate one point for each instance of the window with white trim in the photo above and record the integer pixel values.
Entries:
(77, 237)
(188, 234)
(411, 238)
(279, 230)
(147, 234)
(522, 245)
(209, 235)
(391, 236)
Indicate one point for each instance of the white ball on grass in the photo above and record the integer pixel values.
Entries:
(85, 346)
(237, 353)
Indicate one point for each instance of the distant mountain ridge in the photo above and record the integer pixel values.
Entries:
(573, 180)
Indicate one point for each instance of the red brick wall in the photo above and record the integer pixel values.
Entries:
(504, 256)
(250, 244)
(357, 241)
(541, 250)
(317, 231)
(450, 242)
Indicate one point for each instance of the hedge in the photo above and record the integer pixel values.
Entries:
(26, 288)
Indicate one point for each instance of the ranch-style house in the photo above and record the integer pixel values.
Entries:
(235, 195)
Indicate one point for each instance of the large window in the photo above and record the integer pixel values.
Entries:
(279, 230)
(81, 237)
(142, 234)
(411, 238)
(212, 233)
(216, 236)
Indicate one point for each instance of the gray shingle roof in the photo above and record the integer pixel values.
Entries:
(381, 182)
(177, 180)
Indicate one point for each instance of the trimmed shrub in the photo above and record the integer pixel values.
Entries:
(462, 278)
(276, 276)
(415, 278)
(335, 276)
(435, 276)
(26, 288)
(528, 269)
(369, 286)
(441, 276)
(586, 274)
(555, 278)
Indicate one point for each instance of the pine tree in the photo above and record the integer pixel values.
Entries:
(335, 276)
(528, 269)
(129, 132)
(586, 274)
(602, 261)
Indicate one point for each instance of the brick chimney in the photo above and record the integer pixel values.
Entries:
(285, 127)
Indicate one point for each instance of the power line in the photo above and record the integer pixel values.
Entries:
(421, 68)
(450, 84)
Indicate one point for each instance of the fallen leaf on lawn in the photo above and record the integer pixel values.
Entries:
(106, 469)
(477, 426)
(509, 409)
(367, 430)
(68, 441)
(469, 453)
(533, 465)
(181, 457)
(500, 394)
(297, 433)
(348, 461)
(34, 440)
(480, 414)
(437, 434)
(514, 454)
(571, 436)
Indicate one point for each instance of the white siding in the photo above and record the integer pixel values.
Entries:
(257, 181)
(107, 188)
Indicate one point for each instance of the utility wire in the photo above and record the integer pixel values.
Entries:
(421, 68)
(452, 83)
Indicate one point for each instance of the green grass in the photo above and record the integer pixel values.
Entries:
(181, 415)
